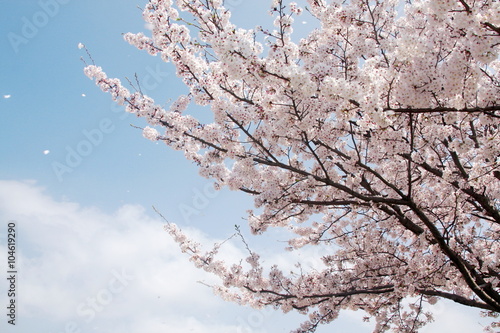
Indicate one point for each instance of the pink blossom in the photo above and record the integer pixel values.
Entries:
(376, 136)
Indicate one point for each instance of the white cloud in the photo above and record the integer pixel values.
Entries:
(82, 269)
(6, 96)
(72, 260)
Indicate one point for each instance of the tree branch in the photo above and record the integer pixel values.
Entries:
(457, 298)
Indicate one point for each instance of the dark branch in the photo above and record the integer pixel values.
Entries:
(486, 109)
(457, 299)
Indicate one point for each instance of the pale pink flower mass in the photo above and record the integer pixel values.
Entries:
(377, 135)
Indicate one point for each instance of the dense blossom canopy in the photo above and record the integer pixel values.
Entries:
(377, 134)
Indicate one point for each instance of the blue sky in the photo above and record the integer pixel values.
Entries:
(86, 231)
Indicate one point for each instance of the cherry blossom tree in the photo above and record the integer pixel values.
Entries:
(377, 135)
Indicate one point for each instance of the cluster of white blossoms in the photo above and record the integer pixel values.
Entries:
(150, 133)
(377, 134)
